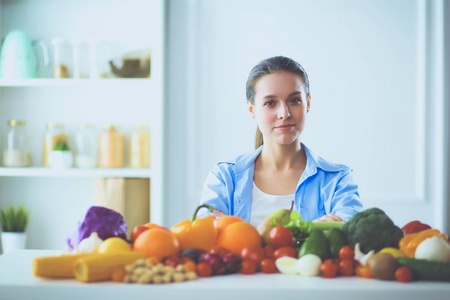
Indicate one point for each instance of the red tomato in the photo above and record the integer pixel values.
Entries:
(403, 274)
(257, 254)
(346, 253)
(285, 251)
(203, 269)
(280, 236)
(328, 269)
(248, 266)
(269, 251)
(268, 266)
(219, 250)
(137, 231)
(346, 267)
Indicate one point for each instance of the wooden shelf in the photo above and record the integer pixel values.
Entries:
(51, 82)
(75, 172)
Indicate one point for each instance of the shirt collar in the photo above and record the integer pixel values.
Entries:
(313, 162)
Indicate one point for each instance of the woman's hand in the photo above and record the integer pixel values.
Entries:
(329, 218)
(217, 214)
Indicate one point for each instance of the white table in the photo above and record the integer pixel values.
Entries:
(17, 282)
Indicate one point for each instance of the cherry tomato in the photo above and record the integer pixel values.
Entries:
(346, 253)
(137, 231)
(203, 269)
(172, 261)
(363, 271)
(328, 269)
(346, 267)
(257, 254)
(403, 274)
(269, 250)
(248, 266)
(219, 250)
(280, 236)
(285, 251)
(268, 266)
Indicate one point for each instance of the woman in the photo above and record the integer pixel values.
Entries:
(282, 172)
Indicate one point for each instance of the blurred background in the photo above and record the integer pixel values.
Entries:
(377, 69)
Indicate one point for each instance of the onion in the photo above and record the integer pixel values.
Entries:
(309, 265)
(433, 249)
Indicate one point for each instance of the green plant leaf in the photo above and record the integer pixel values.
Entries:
(13, 220)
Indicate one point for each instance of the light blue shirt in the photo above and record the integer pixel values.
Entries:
(323, 188)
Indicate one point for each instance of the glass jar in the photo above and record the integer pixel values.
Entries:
(86, 147)
(111, 148)
(139, 150)
(16, 153)
(55, 133)
(61, 60)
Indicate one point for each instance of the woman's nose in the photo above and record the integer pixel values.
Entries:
(283, 112)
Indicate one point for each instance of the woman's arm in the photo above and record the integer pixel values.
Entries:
(344, 203)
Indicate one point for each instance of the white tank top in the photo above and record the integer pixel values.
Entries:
(264, 204)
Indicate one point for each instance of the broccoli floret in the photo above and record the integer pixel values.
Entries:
(373, 230)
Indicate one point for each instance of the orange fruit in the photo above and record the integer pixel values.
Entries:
(239, 235)
(223, 222)
(157, 242)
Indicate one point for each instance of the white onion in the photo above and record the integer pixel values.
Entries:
(433, 249)
(309, 265)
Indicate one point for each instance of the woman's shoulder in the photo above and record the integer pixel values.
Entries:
(241, 161)
(316, 161)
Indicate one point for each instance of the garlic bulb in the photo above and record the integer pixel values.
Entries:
(90, 244)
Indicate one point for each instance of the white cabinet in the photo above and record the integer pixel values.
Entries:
(57, 199)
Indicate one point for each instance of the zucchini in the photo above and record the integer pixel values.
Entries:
(427, 270)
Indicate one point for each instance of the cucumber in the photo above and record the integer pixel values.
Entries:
(327, 225)
(427, 270)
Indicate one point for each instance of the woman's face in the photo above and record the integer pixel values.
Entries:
(280, 107)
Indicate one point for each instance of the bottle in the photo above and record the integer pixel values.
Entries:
(140, 147)
(111, 148)
(54, 134)
(16, 153)
(86, 147)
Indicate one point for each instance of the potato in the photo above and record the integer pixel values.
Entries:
(383, 266)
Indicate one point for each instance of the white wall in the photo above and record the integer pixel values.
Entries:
(375, 69)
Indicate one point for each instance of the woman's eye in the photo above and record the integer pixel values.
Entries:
(269, 103)
(296, 100)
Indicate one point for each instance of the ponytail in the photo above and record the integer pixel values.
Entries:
(258, 138)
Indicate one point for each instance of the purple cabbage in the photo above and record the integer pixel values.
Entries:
(106, 222)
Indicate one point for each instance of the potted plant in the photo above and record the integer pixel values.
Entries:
(13, 223)
(60, 157)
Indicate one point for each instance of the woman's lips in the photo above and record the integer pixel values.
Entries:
(285, 127)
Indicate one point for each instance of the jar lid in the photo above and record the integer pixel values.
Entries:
(54, 125)
(84, 125)
(111, 127)
(14, 122)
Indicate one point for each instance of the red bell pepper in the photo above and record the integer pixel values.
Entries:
(414, 226)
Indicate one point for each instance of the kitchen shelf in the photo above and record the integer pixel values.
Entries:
(51, 82)
(75, 172)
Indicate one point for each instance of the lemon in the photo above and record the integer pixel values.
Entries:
(114, 245)
(392, 251)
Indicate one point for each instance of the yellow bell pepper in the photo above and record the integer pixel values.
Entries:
(408, 244)
(196, 233)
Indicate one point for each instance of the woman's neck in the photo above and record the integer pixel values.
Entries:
(282, 157)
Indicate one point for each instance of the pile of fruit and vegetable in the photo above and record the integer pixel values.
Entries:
(369, 245)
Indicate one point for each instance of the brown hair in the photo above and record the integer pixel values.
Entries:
(269, 66)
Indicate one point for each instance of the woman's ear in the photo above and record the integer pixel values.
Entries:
(251, 109)
(308, 104)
